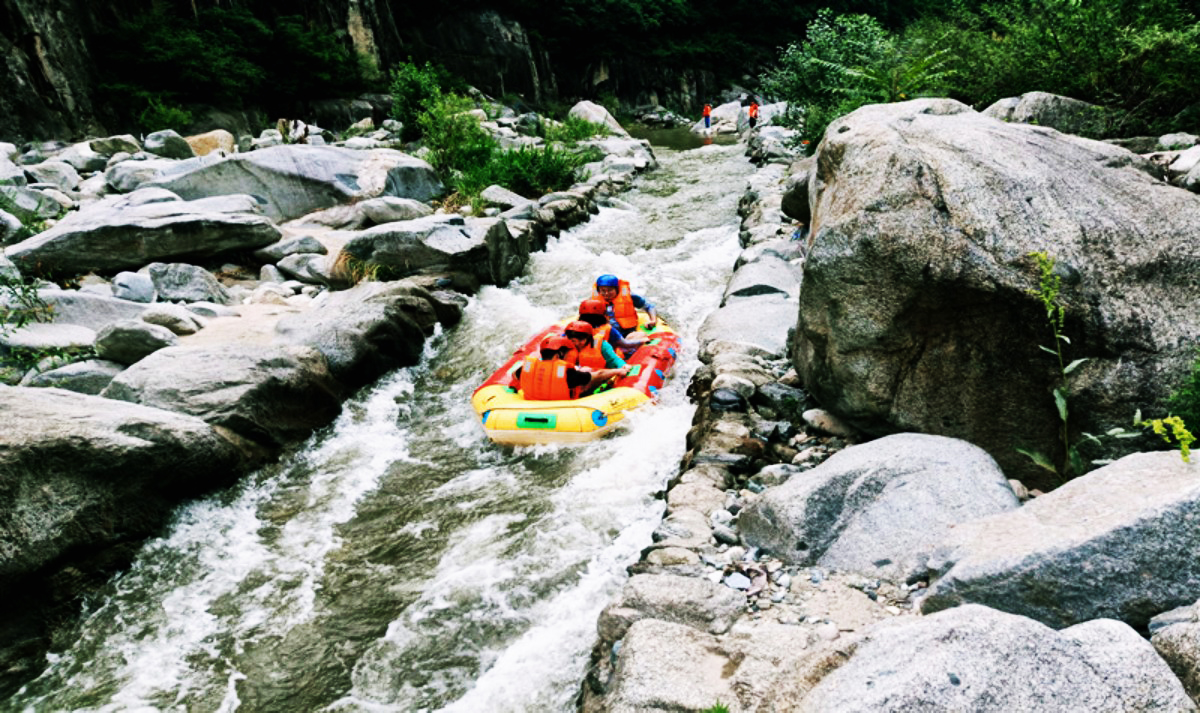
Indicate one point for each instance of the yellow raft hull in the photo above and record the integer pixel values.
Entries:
(511, 420)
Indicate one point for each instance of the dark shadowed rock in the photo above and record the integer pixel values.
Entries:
(1070, 116)
(80, 471)
(915, 309)
(83, 377)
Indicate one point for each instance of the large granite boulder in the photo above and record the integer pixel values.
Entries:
(294, 180)
(482, 247)
(271, 395)
(117, 234)
(973, 658)
(1070, 116)
(366, 331)
(590, 111)
(878, 508)
(80, 472)
(916, 311)
(88, 309)
(1118, 543)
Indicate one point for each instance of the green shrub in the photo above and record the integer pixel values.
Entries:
(574, 129)
(158, 116)
(414, 89)
(1185, 401)
(454, 137)
(528, 171)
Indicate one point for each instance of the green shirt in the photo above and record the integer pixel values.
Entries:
(611, 360)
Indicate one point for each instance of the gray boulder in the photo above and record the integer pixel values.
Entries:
(304, 244)
(55, 172)
(88, 309)
(759, 323)
(310, 268)
(974, 658)
(296, 180)
(133, 286)
(59, 452)
(40, 336)
(767, 275)
(878, 508)
(692, 601)
(597, 114)
(83, 158)
(128, 175)
(116, 144)
(27, 205)
(111, 235)
(389, 209)
(129, 341)
(10, 173)
(1117, 543)
(82, 377)
(1176, 637)
(180, 282)
(482, 247)
(168, 144)
(176, 318)
(269, 394)
(917, 286)
(502, 197)
(365, 331)
(1070, 116)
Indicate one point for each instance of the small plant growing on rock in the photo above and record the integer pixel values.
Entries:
(1048, 291)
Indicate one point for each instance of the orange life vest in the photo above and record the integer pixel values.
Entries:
(545, 380)
(753, 111)
(707, 109)
(622, 306)
(591, 357)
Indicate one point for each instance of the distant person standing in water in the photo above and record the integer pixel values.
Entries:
(707, 115)
(753, 114)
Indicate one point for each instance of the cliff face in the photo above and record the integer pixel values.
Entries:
(49, 86)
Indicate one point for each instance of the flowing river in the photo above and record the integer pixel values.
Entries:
(398, 560)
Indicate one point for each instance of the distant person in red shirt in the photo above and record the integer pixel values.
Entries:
(707, 114)
(753, 114)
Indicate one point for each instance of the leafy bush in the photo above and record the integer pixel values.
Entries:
(845, 62)
(528, 171)
(1139, 56)
(414, 89)
(453, 136)
(573, 129)
(1185, 401)
(158, 116)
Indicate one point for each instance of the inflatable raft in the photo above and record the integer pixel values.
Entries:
(510, 419)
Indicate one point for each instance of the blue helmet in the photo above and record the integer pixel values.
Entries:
(608, 281)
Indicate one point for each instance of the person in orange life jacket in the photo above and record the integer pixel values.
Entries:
(753, 114)
(622, 306)
(592, 348)
(707, 114)
(594, 312)
(553, 378)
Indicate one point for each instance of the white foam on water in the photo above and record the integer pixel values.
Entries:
(143, 645)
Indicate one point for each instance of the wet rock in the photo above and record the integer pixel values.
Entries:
(726, 400)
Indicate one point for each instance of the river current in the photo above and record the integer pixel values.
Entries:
(399, 561)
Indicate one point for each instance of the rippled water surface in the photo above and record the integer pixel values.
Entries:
(400, 561)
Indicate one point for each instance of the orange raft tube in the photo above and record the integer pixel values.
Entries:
(508, 418)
